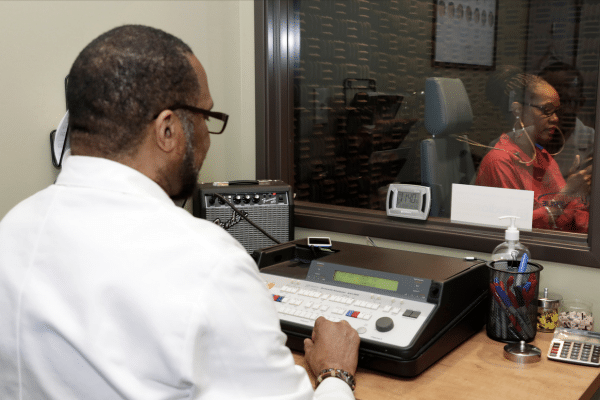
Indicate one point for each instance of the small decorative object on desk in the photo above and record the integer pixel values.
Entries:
(547, 316)
(576, 314)
(522, 353)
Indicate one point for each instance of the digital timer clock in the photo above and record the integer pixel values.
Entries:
(408, 201)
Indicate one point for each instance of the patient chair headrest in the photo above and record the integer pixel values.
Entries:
(447, 107)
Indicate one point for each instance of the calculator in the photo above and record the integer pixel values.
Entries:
(575, 346)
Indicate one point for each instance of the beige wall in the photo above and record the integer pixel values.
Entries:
(40, 40)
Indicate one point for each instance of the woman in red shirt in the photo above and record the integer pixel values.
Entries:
(519, 161)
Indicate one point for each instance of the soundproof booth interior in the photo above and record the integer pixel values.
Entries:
(381, 127)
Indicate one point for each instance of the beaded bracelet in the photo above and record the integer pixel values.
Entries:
(337, 373)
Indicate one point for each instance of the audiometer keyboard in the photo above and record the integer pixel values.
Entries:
(376, 317)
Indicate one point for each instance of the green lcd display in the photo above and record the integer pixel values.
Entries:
(363, 280)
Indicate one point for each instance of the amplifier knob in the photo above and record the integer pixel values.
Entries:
(237, 199)
(384, 324)
(256, 198)
(247, 199)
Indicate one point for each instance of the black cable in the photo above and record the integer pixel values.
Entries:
(246, 218)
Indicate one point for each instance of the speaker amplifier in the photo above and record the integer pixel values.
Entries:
(268, 204)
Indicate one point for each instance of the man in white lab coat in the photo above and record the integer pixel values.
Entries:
(108, 290)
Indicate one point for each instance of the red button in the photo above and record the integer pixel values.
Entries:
(355, 314)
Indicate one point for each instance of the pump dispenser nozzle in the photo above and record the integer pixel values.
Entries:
(511, 249)
(511, 233)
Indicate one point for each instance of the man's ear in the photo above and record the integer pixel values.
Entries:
(166, 129)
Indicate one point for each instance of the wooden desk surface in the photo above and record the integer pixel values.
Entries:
(478, 370)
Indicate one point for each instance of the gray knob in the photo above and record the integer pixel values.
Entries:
(384, 324)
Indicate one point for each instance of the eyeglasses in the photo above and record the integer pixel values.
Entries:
(547, 109)
(215, 121)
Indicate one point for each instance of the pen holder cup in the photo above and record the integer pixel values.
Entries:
(513, 304)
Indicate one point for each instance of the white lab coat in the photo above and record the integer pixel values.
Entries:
(110, 291)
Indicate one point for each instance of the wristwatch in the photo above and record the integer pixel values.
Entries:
(337, 373)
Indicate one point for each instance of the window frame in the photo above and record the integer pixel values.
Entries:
(276, 48)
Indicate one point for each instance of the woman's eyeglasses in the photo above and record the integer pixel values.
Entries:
(546, 109)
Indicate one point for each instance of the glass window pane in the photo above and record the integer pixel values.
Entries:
(360, 99)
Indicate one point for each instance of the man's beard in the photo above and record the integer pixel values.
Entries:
(188, 172)
(188, 176)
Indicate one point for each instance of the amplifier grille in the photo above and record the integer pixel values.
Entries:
(268, 204)
(274, 219)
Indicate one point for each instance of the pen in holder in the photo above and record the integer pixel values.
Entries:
(512, 314)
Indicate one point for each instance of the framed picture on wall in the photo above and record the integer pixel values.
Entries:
(464, 33)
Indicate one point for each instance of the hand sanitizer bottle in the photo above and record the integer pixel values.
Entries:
(511, 250)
